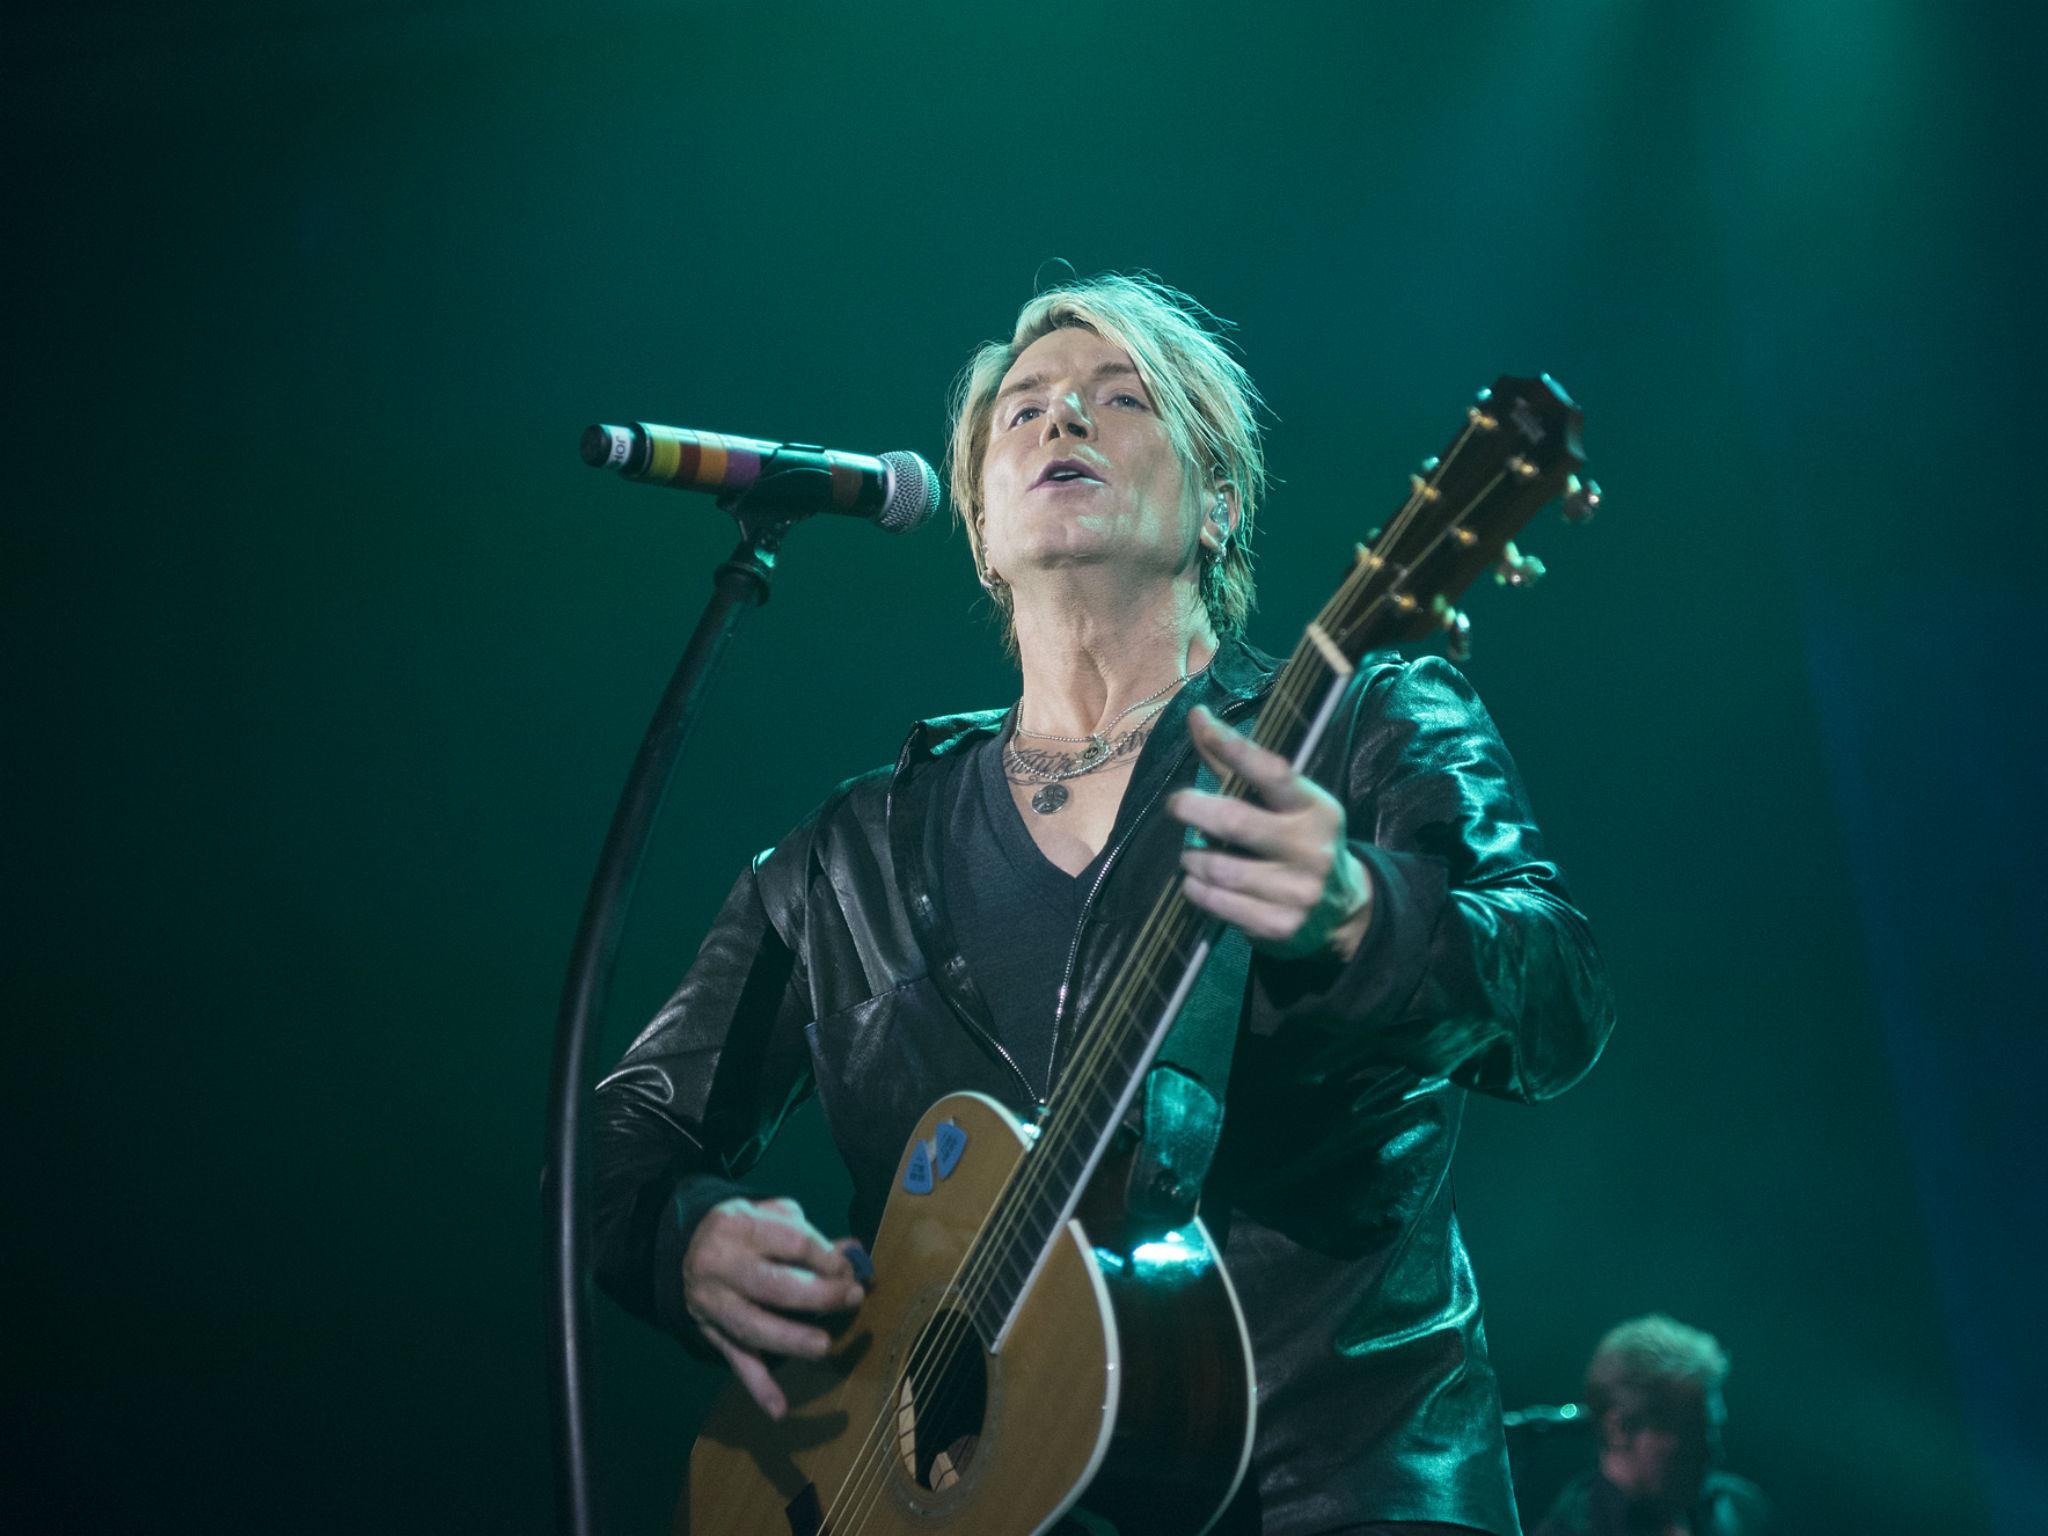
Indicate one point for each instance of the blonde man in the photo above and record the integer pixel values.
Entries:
(947, 924)
(1654, 1395)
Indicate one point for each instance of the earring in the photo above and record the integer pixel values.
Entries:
(986, 574)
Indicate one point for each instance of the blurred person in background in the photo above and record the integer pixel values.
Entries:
(1654, 1395)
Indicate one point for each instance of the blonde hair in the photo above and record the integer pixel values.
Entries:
(1647, 1357)
(1207, 401)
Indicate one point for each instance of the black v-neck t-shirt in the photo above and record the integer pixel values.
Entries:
(1014, 912)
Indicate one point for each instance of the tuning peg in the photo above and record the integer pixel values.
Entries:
(1581, 499)
(1477, 413)
(1456, 627)
(1516, 569)
(1419, 485)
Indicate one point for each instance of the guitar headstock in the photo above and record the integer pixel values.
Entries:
(1517, 449)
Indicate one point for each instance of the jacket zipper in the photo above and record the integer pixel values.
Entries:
(953, 965)
(1010, 1061)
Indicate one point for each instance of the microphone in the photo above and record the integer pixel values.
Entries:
(897, 491)
(1542, 1416)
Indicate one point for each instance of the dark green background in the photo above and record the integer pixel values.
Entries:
(325, 656)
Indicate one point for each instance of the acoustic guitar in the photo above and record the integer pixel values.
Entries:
(1027, 1347)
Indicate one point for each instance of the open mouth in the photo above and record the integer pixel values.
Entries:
(1066, 472)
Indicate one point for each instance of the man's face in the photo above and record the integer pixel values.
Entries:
(1660, 1449)
(1080, 469)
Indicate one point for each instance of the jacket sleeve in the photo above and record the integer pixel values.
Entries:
(694, 1101)
(1476, 966)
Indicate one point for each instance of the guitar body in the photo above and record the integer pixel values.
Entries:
(1123, 1385)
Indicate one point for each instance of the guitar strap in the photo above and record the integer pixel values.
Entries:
(1179, 1115)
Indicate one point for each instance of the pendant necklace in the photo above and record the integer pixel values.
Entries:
(1096, 750)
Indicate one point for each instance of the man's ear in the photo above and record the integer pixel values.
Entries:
(1221, 514)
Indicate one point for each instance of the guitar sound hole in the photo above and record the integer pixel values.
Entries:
(939, 1406)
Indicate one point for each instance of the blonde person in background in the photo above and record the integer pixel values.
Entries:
(1654, 1393)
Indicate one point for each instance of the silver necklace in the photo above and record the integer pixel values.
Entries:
(1097, 749)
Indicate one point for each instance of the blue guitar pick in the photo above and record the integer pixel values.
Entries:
(949, 1141)
(917, 1178)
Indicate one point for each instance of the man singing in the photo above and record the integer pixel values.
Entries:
(948, 923)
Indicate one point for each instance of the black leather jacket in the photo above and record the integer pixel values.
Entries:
(831, 970)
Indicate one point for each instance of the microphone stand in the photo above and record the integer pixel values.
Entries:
(740, 583)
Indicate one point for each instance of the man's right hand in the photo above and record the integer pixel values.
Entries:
(751, 1262)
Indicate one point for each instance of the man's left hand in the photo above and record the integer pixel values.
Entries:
(1292, 882)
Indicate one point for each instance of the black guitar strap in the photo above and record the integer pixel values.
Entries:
(1179, 1115)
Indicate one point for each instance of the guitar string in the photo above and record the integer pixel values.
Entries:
(1165, 930)
(1165, 935)
(1169, 935)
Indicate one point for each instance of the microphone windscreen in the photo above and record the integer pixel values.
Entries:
(913, 492)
